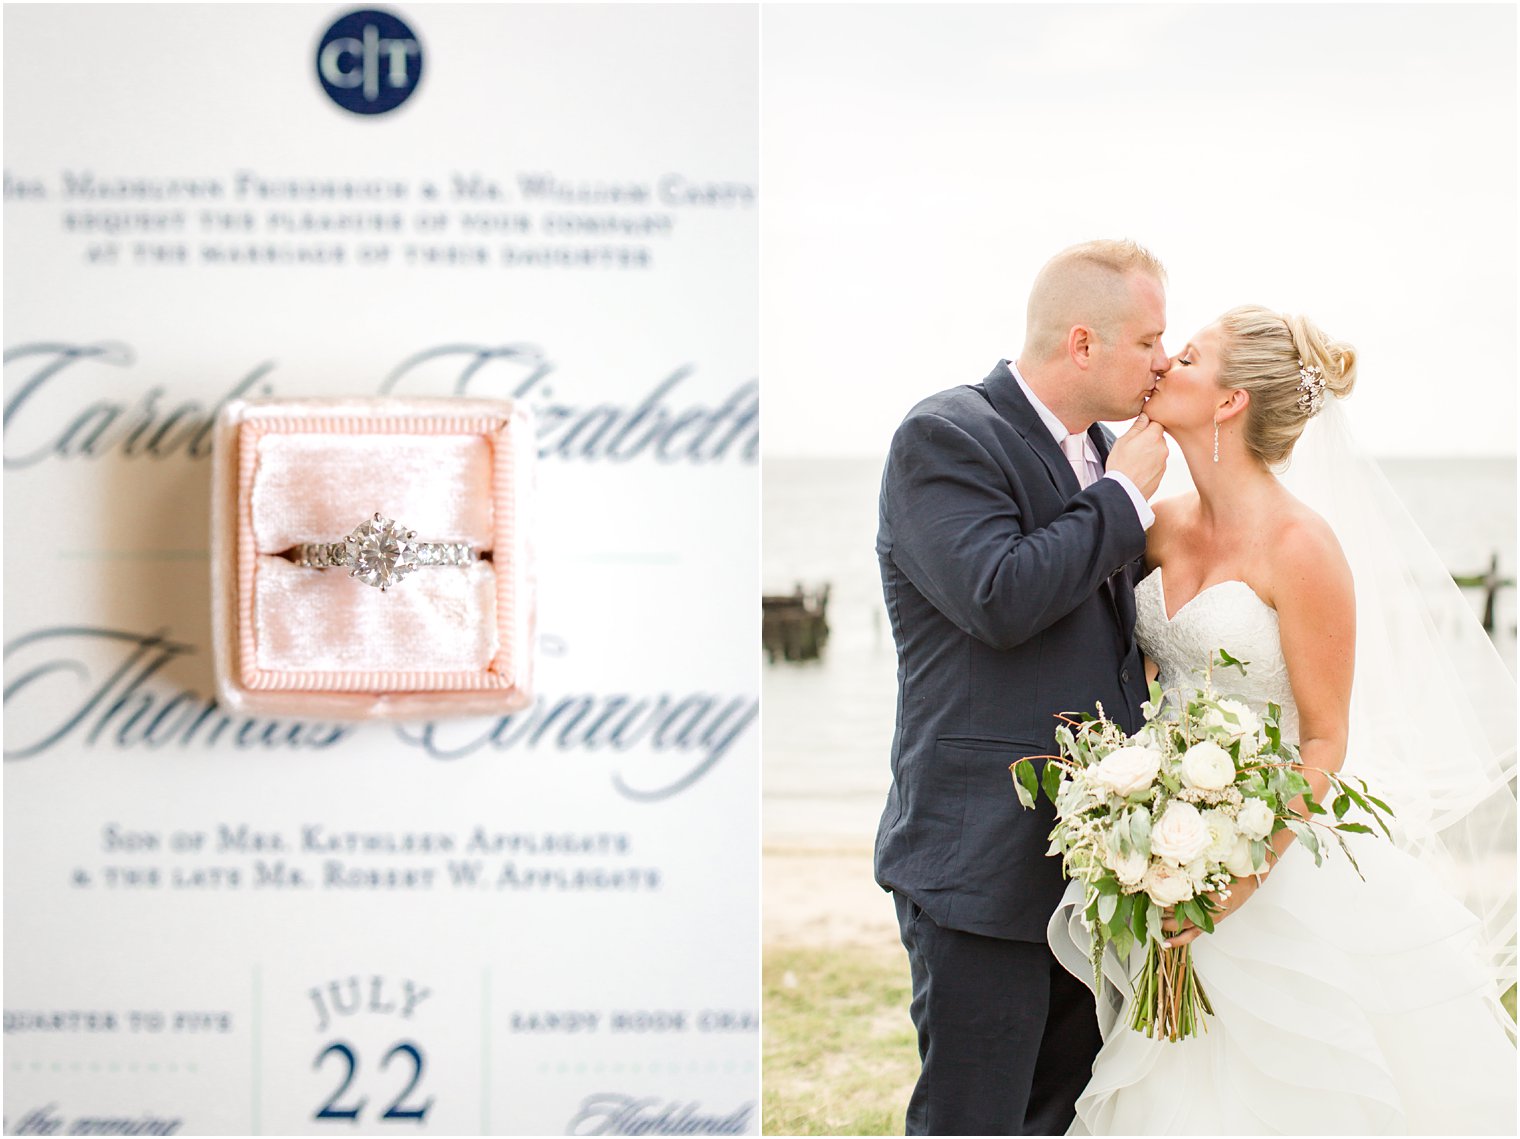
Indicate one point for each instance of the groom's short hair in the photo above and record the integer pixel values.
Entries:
(1086, 284)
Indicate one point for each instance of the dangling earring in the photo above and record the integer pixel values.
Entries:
(1216, 440)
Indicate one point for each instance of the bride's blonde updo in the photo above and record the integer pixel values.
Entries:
(1261, 352)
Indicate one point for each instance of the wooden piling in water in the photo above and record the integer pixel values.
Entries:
(795, 627)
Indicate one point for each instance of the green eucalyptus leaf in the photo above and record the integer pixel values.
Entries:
(1341, 805)
(1023, 782)
(1121, 912)
(1354, 828)
(1295, 784)
(1140, 830)
(1345, 849)
(1108, 905)
(1123, 941)
(1051, 779)
(1307, 836)
(1227, 661)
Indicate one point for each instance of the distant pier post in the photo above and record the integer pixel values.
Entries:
(795, 627)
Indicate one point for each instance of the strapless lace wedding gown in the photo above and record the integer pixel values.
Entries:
(1341, 1006)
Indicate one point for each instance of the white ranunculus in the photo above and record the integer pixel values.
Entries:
(1179, 835)
(1249, 723)
(1239, 861)
(1207, 767)
(1167, 885)
(1255, 819)
(1222, 834)
(1127, 770)
(1130, 868)
(1198, 873)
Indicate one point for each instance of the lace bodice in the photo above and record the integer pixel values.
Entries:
(1230, 616)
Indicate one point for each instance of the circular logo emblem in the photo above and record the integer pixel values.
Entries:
(369, 62)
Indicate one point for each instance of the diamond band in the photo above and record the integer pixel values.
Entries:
(380, 552)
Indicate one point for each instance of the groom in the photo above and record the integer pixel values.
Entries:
(1009, 523)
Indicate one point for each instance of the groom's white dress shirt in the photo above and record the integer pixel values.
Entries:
(1084, 462)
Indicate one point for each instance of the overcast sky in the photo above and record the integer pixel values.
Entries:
(1357, 163)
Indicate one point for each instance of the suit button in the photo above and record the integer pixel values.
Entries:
(1124, 676)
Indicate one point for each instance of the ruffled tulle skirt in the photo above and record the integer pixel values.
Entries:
(1341, 1007)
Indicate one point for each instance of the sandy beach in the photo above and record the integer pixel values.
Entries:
(825, 898)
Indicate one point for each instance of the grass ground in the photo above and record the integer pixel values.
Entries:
(840, 1054)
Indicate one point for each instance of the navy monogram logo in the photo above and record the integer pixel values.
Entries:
(369, 62)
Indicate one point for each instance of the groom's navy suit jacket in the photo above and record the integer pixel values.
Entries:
(1011, 596)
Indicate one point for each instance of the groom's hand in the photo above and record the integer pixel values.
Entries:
(1140, 455)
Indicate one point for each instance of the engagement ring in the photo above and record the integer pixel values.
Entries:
(381, 552)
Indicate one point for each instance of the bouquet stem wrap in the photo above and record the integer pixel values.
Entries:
(1170, 1002)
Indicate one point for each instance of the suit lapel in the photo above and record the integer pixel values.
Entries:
(1009, 400)
(1102, 440)
(1121, 589)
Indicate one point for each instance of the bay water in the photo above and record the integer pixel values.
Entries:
(827, 724)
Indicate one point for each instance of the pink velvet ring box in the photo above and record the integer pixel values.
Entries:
(445, 639)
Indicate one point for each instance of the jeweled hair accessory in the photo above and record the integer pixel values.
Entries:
(1311, 388)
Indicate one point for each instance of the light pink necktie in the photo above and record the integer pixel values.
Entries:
(1075, 447)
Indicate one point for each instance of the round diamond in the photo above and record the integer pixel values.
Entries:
(381, 553)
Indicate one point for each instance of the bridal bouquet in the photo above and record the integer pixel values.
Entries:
(1161, 819)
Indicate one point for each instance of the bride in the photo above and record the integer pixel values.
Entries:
(1341, 1006)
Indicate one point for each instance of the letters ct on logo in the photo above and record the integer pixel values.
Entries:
(369, 62)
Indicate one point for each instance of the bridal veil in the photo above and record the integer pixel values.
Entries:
(1433, 705)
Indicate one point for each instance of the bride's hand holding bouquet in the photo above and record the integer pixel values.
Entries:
(1170, 829)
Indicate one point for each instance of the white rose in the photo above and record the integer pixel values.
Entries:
(1207, 767)
(1239, 861)
(1180, 835)
(1222, 834)
(1167, 885)
(1248, 722)
(1130, 868)
(1127, 770)
(1255, 819)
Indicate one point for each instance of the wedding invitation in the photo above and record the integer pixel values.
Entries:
(220, 921)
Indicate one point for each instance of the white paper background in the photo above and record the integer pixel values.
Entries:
(647, 568)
